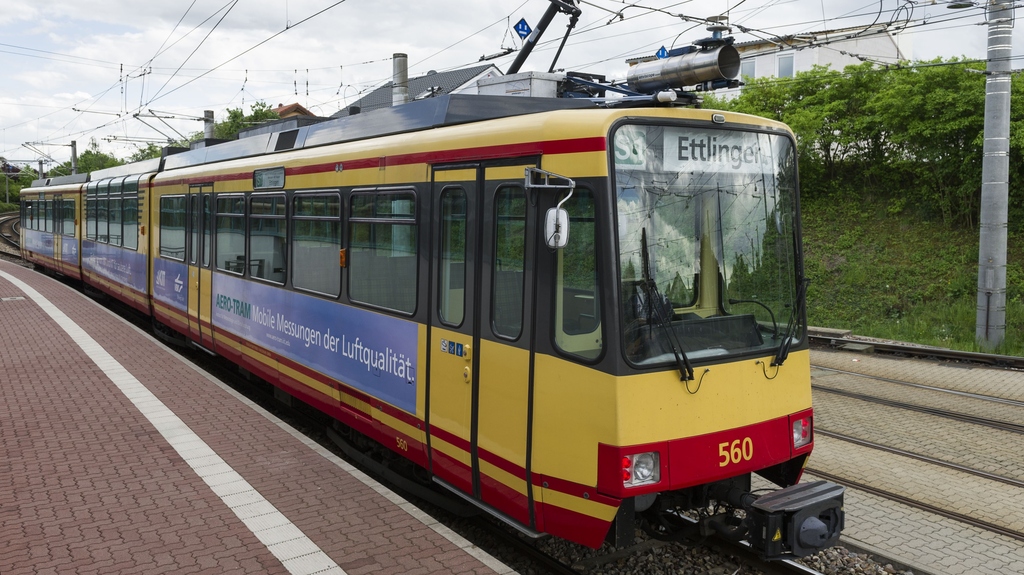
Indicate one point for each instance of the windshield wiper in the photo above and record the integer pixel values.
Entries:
(787, 339)
(656, 310)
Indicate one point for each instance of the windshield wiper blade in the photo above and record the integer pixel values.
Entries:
(656, 310)
(787, 339)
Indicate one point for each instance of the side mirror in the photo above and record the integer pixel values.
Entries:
(556, 228)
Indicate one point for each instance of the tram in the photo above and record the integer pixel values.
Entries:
(584, 317)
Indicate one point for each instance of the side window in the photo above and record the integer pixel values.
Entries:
(48, 215)
(68, 215)
(268, 238)
(102, 231)
(452, 291)
(577, 299)
(382, 239)
(130, 211)
(172, 227)
(231, 233)
(207, 228)
(316, 248)
(90, 211)
(114, 231)
(193, 227)
(509, 259)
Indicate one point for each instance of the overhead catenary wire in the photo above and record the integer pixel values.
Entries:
(329, 92)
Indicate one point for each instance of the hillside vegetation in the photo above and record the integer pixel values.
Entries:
(890, 164)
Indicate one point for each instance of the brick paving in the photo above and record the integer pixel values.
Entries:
(88, 484)
(922, 540)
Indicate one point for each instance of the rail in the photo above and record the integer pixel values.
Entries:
(904, 349)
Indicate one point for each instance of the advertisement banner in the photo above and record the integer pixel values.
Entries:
(125, 267)
(169, 279)
(374, 353)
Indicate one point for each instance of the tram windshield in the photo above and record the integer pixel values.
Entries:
(707, 242)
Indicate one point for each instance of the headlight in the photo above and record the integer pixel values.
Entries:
(641, 469)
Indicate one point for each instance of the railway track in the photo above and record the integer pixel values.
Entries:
(930, 438)
(9, 230)
(910, 501)
(911, 350)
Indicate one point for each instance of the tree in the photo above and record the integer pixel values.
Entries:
(909, 135)
(237, 120)
(90, 160)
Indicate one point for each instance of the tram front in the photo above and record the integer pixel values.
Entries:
(712, 291)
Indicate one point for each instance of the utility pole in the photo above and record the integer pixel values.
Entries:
(991, 319)
(74, 157)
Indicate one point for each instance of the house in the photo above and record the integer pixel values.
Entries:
(785, 56)
(292, 110)
(427, 86)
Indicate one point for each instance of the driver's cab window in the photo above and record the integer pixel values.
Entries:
(577, 299)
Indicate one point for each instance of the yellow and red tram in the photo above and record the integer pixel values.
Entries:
(580, 318)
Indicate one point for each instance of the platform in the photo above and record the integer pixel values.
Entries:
(117, 456)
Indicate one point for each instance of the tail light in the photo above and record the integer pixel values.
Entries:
(803, 431)
(641, 469)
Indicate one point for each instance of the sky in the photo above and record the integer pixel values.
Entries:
(123, 73)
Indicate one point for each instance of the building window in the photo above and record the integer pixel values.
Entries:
(785, 66)
(747, 68)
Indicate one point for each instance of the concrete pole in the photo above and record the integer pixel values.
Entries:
(74, 157)
(991, 319)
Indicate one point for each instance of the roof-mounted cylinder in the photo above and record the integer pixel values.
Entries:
(688, 69)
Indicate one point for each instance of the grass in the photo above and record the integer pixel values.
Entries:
(900, 276)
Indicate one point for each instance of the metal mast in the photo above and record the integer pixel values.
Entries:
(991, 319)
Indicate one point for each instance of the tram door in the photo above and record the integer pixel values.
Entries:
(199, 222)
(480, 335)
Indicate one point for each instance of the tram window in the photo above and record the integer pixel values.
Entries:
(382, 239)
(193, 227)
(48, 216)
(172, 227)
(316, 225)
(90, 219)
(268, 238)
(68, 215)
(207, 229)
(509, 259)
(231, 234)
(114, 221)
(130, 221)
(102, 232)
(577, 301)
(452, 294)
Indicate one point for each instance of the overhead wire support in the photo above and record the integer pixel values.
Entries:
(568, 7)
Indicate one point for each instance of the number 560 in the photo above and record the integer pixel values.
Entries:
(735, 452)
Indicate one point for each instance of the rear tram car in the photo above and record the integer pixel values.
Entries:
(582, 317)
